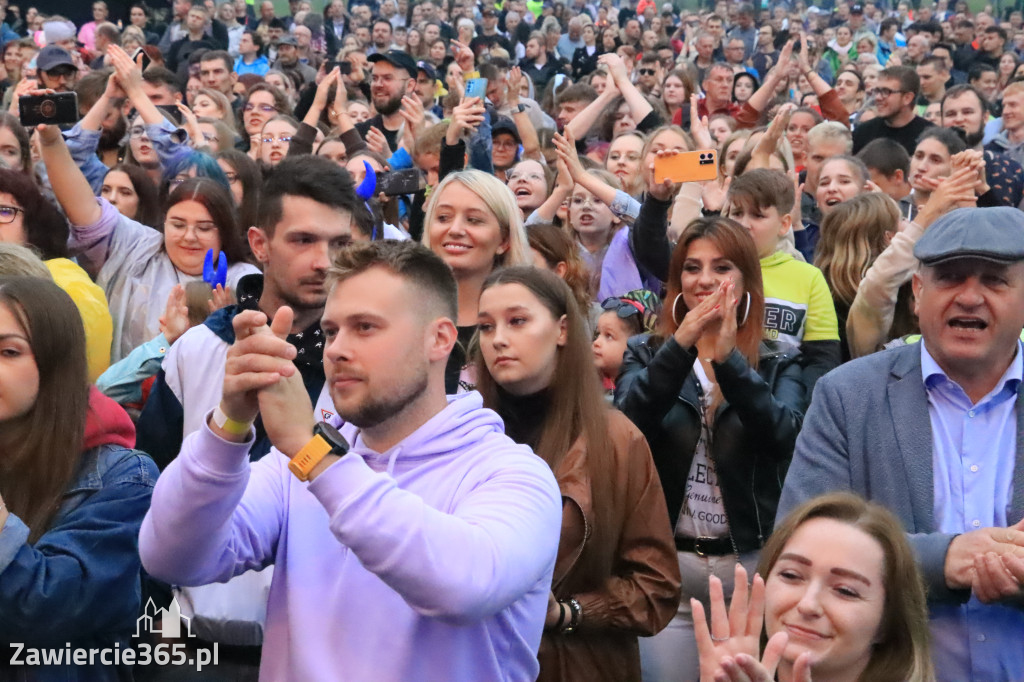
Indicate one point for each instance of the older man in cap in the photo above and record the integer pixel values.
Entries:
(935, 432)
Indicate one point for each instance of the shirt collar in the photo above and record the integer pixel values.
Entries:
(934, 375)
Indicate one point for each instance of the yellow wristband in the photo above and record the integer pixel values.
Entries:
(229, 425)
(309, 456)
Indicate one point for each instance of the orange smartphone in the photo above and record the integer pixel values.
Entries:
(698, 166)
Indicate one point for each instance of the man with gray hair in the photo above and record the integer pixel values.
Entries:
(572, 39)
(932, 430)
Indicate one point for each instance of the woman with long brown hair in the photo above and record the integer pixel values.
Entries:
(721, 409)
(615, 576)
(72, 491)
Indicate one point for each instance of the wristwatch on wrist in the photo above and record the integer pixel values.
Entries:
(326, 441)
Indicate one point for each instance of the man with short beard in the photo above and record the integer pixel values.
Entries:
(964, 110)
(393, 77)
(434, 533)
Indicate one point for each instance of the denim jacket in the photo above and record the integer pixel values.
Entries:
(80, 582)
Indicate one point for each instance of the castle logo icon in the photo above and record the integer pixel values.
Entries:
(165, 622)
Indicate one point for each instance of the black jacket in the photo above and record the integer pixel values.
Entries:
(753, 434)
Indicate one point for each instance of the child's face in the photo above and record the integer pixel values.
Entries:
(766, 226)
(610, 344)
(590, 217)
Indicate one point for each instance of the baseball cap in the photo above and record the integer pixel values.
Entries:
(397, 59)
(52, 56)
(995, 233)
(506, 125)
(427, 68)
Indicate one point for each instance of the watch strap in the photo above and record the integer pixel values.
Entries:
(309, 456)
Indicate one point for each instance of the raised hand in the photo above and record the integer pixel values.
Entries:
(726, 340)
(259, 357)
(666, 189)
(463, 56)
(616, 68)
(736, 632)
(222, 298)
(699, 127)
(174, 321)
(376, 142)
(285, 404)
(565, 146)
(466, 117)
(696, 321)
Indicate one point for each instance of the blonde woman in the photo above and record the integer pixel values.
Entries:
(852, 236)
(473, 223)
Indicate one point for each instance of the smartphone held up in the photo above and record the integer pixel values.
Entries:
(697, 166)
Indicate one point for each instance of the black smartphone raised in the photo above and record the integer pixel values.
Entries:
(58, 108)
(172, 112)
(146, 61)
(399, 182)
(344, 67)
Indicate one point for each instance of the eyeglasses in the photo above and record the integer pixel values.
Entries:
(265, 108)
(885, 92)
(9, 213)
(386, 80)
(646, 72)
(204, 226)
(505, 144)
(624, 308)
(283, 139)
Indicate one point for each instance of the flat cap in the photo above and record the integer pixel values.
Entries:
(995, 234)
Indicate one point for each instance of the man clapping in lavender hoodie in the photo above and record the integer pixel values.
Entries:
(425, 552)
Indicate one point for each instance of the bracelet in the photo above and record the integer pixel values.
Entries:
(232, 426)
(577, 615)
(561, 617)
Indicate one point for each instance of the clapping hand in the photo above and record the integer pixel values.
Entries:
(728, 650)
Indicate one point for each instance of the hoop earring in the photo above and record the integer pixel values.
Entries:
(675, 301)
(746, 310)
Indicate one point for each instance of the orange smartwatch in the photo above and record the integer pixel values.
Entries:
(326, 441)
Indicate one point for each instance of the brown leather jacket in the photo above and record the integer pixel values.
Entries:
(643, 594)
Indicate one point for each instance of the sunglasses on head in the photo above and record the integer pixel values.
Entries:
(624, 308)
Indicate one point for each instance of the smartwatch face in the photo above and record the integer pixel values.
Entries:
(333, 436)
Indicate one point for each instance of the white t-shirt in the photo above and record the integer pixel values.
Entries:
(703, 514)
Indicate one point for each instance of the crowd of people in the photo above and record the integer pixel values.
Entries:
(379, 340)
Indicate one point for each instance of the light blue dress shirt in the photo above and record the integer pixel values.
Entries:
(974, 452)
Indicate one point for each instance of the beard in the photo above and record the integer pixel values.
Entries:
(972, 139)
(111, 138)
(392, 402)
(386, 107)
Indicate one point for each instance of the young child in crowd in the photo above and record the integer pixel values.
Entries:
(798, 305)
(621, 318)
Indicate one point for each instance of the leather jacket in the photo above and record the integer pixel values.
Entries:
(753, 434)
(641, 595)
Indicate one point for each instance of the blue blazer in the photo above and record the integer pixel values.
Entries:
(868, 430)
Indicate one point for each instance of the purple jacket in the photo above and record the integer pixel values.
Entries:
(431, 561)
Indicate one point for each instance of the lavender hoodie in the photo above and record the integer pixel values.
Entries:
(431, 561)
